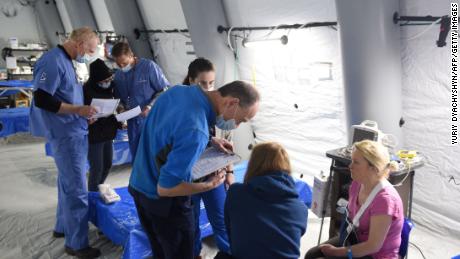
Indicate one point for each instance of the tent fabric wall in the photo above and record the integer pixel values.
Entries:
(371, 57)
(173, 51)
(79, 13)
(101, 15)
(426, 109)
(125, 17)
(293, 75)
(202, 17)
(49, 21)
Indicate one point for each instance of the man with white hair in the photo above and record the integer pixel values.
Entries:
(58, 114)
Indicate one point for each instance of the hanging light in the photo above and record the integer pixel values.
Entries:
(250, 43)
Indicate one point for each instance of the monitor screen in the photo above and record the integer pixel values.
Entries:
(362, 134)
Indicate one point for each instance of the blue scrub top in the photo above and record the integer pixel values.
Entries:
(139, 85)
(175, 134)
(54, 73)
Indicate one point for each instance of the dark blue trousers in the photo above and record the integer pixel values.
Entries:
(169, 223)
(100, 161)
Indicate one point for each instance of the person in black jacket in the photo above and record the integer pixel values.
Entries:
(103, 131)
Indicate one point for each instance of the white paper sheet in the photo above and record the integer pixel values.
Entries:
(11, 63)
(105, 107)
(212, 160)
(124, 116)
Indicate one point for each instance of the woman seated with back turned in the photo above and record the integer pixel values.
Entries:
(263, 215)
(379, 230)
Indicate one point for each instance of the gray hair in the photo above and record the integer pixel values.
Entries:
(245, 92)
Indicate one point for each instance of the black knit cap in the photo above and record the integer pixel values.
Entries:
(98, 71)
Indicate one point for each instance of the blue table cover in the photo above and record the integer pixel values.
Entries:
(13, 120)
(15, 83)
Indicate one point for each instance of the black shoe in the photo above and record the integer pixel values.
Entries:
(57, 234)
(86, 253)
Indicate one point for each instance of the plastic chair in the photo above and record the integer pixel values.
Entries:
(407, 227)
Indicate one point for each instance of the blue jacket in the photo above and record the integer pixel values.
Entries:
(174, 136)
(265, 218)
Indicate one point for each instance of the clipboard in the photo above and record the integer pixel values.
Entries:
(212, 160)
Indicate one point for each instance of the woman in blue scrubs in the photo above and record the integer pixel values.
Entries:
(201, 72)
(137, 83)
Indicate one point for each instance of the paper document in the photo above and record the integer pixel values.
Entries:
(124, 116)
(105, 107)
(11, 63)
(212, 160)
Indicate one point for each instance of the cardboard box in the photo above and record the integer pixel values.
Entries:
(21, 103)
(319, 192)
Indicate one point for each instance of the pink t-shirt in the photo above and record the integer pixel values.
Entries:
(386, 202)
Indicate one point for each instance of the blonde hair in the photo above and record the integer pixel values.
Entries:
(84, 34)
(377, 156)
(267, 157)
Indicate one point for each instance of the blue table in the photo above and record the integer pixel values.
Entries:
(121, 154)
(14, 120)
(119, 221)
(14, 86)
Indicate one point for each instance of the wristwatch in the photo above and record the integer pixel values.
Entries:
(230, 172)
(349, 253)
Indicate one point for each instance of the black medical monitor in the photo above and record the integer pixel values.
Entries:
(361, 133)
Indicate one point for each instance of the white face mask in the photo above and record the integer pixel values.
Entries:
(83, 58)
(104, 85)
(126, 68)
(223, 124)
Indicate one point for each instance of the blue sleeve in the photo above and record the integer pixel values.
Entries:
(188, 145)
(118, 92)
(157, 79)
(47, 76)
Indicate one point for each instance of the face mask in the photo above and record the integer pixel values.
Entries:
(104, 85)
(83, 58)
(126, 68)
(223, 124)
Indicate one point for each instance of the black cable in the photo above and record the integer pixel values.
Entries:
(418, 248)
(452, 179)
(138, 32)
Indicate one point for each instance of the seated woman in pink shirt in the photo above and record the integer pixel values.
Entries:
(379, 231)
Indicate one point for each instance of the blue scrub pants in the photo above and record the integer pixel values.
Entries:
(214, 201)
(70, 155)
(135, 126)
